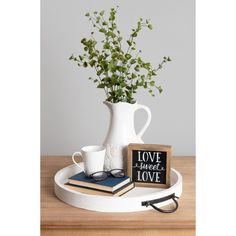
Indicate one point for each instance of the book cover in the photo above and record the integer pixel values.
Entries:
(109, 184)
(124, 189)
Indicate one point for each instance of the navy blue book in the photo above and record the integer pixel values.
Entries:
(109, 184)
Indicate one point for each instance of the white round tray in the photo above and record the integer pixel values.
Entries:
(129, 202)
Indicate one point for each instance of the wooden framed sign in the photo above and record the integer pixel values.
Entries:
(149, 164)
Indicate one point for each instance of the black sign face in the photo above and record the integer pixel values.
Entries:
(149, 164)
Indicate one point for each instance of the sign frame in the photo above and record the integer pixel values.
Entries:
(150, 147)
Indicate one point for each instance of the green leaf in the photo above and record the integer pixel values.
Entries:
(122, 69)
(146, 65)
(110, 33)
(136, 68)
(152, 83)
(98, 19)
(123, 84)
(124, 60)
(128, 56)
(114, 79)
(112, 17)
(117, 49)
(140, 60)
(85, 64)
(139, 25)
(114, 55)
(106, 45)
(71, 57)
(101, 86)
(100, 58)
(160, 89)
(168, 59)
(100, 72)
(102, 13)
(134, 87)
(150, 27)
(132, 61)
(87, 14)
(102, 30)
(83, 41)
(129, 43)
(92, 63)
(111, 65)
(104, 65)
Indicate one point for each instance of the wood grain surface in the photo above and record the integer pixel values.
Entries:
(56, 215)
(117, 232)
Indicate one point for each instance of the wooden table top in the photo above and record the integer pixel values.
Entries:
(55, 214)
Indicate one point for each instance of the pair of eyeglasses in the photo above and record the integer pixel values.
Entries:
(102, 175)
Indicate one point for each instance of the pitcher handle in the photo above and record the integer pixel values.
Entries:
(149, 117)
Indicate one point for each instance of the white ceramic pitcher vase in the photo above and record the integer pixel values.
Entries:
(121, 132)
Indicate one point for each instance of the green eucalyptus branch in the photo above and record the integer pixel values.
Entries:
(120, 72)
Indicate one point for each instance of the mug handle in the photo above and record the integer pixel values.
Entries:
(73, 159)
(149, 117)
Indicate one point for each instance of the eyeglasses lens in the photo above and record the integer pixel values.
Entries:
(99, 176)
(117, 173)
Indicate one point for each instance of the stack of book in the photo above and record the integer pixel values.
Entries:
(111, 186)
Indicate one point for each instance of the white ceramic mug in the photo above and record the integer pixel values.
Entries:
(93, 158)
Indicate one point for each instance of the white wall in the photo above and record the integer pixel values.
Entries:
(72, 113)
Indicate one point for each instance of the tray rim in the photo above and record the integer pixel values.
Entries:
(162, 192)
